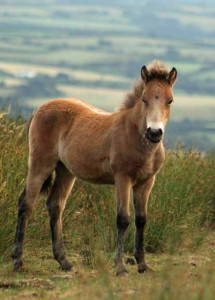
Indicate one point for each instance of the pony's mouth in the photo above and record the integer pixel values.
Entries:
(152, 138)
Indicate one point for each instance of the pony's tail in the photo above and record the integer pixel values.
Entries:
(29, 123)
(47, 185)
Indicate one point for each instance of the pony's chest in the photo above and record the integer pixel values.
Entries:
(143, 167)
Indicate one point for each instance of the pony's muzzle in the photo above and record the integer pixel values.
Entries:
(154, 135)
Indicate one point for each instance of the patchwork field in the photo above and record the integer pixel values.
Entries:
(94, 52)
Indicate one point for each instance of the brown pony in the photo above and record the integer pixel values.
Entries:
(123, 148)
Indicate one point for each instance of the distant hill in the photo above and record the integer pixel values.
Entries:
(94, 50)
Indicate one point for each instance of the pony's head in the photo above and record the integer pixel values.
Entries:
(156, 98)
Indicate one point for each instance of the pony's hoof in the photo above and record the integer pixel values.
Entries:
(122, 274)
(65, 266)
(18, 264)
(144, 269)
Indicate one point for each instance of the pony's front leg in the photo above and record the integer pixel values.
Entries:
(141, 194)
(123, 188)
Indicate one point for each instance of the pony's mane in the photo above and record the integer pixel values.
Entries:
(157, 70)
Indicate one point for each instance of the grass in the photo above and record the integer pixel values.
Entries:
(179, 234)
(179, 277)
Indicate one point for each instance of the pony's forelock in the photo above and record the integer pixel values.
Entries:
(157, 70)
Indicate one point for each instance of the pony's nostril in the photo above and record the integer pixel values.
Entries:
(160, 131)
(155, 132)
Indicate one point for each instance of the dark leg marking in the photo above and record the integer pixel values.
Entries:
(56, 233)
(139, 238)
(55, 204)
(23, 213)
(122, 225)
(140, 222)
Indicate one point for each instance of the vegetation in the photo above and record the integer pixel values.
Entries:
(179, 233)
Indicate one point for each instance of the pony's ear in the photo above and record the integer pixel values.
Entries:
(144, 74)
(172, 76)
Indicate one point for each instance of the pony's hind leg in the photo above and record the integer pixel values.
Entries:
(25, 207)
(63, 184)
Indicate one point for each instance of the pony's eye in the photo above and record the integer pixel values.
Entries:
(144, 101)
(170, 101)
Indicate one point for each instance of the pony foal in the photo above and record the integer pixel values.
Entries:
(123, 148)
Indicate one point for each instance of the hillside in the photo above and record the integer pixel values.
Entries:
(94, 51)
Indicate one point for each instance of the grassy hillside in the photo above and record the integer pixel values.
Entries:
(179, 234)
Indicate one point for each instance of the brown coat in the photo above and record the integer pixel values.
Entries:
(75, 139)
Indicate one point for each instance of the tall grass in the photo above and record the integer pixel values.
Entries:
(181, 206)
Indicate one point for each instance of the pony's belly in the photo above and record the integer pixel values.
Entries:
(100, 180)
(98, 172)
(94, 178)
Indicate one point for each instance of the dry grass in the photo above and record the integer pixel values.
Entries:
(179, 233)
